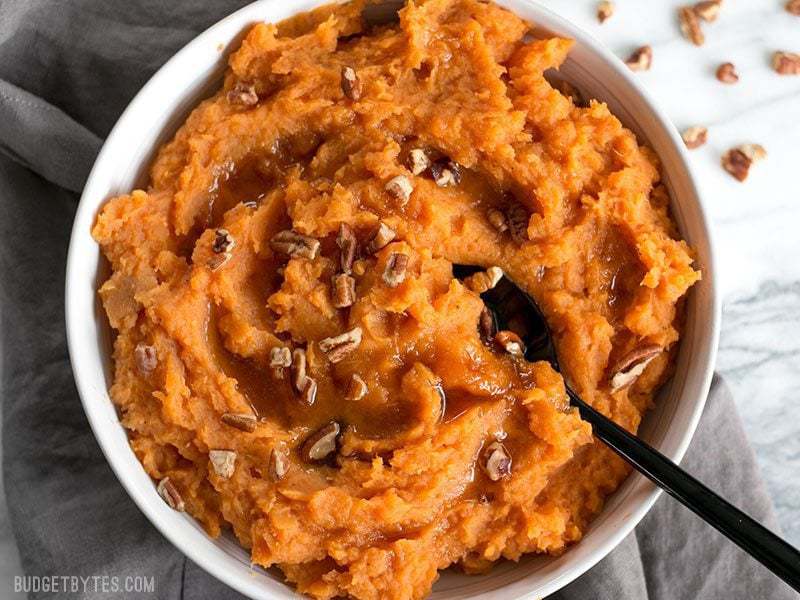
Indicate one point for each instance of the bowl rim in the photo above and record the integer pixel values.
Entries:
(87, 210)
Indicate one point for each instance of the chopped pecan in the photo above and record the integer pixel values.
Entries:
(309, 394)
(223, 462)
(395, 272)
(708, 10)
(633, 364)
(146, 358)
(218, 260)
(279, 461)
(357, 388)
(517, 218)
(690, 25)
(605, 10)
(483, 281)
(223, 241)
(400, 187)
(337, 347)
(497, 220)
(348, 247)
(737, 161)
(299, 375)
(382, 236)
(243, 93)
(250, 204)
(726, 73)
(418, 161)
(786, 63)
(486, 326)
(294, 244)
(694, 137)
(351, 84)
(241, 421)
(439, 389)
(510, 342)
(169, 493)
(280, 357)
(446, 172)
(640, 59)
(321, 444)
(344, 290)
(496, 461)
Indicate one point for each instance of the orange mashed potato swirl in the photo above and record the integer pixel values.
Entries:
(363, 468)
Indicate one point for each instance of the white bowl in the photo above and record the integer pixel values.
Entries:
(152, 118)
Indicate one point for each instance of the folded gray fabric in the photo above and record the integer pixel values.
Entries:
(67, 69)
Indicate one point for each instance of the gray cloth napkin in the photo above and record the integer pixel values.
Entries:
(67, 69)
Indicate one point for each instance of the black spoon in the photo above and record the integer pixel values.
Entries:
(513, 309)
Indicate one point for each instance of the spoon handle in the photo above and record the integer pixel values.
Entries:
(774, 553)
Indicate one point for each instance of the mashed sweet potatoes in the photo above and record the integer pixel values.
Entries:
(295, 360)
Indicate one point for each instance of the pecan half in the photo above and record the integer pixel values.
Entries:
(694, 137)
(708, 10)
(497, 220)
(170, 494)
(241, 421)
(786, 63)
(321, 443)
(243, 93)
(400, 187)
(146, 358)
(510, 342)
(348, 247)
(357, 388)
(483, 281)
(517, 218)
(279, 461)
(344, 290)
(726, 73)
(633, 364)
(295, 245)
(418, 161)
(496, 461)
(640, 59)
(605, 10)
(351, 84)
(395, 272)
(446, 172)
(690, 25)
(223, 462)
(382, 236)
(737, 161)
(793, 7)
(337, 347)
(223, 241)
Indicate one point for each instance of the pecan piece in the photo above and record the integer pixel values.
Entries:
(605, 10)
(146, 358)
(439, 389)
(446, 172)
(169, 493)
(309, 394)
(295, 245)
(487, 328)
(418, 161)
(497, 220)
(708, 10)
(382, 236)
(395, 272)
(348, 246)
(279, 461)
(280, 357)
(299, 376)
(737, 161)
(517, 219)
(321, 444)
(483, 281)
(218, 260)
(400, 187)
(690, 25)
(640, 59)
(726, 73)
(243, 93)
(496, 461)
(223, 462)
(337, 347)
(241, 421)
(351, 84)
(344, 290)
(694, 137)
(786, 63)
(223, 241)
(510, 342)
(633, 364)
(357, 388)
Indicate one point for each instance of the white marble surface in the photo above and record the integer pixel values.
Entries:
(757, 223)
